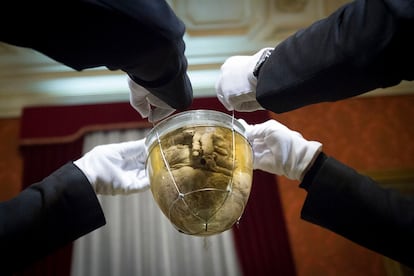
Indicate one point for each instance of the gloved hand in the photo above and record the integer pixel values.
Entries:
(147, 105)
(236, 85)
(116, 168)
(279, 150)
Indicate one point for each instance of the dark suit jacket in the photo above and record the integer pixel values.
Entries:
(143, 38)
(362, 46)
(46, 216)
(356, 207)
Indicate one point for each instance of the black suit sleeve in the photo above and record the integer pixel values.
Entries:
(140, 37)
(356, 207)
(364, 45)
(47, 215)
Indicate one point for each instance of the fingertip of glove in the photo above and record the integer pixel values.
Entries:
(159, 114)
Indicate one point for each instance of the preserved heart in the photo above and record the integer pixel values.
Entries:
(200, 172)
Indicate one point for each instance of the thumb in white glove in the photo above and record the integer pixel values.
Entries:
(236, 85)
(147, 105)
(116, 168)
(279, 150)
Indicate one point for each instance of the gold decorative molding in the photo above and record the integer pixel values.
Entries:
(291, 6)
(394, 268)
(399, 179)
(403, 181)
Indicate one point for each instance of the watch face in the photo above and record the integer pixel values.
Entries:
(266, 54)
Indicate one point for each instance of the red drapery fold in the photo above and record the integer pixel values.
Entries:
(261, 237)
(53, 135)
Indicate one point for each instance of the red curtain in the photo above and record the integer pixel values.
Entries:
(53, 135)
(261, 237)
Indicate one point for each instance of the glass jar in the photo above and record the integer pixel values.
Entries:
(200, 167)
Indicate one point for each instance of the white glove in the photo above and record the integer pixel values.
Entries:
(116, 168)
(279, 150)
(142, 101)
(236, 85)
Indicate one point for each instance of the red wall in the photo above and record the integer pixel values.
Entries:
(370, 134)
(10, 161)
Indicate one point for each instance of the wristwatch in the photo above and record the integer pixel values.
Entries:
(265, 55)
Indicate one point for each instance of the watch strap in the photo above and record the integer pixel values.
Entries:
(265, 55)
